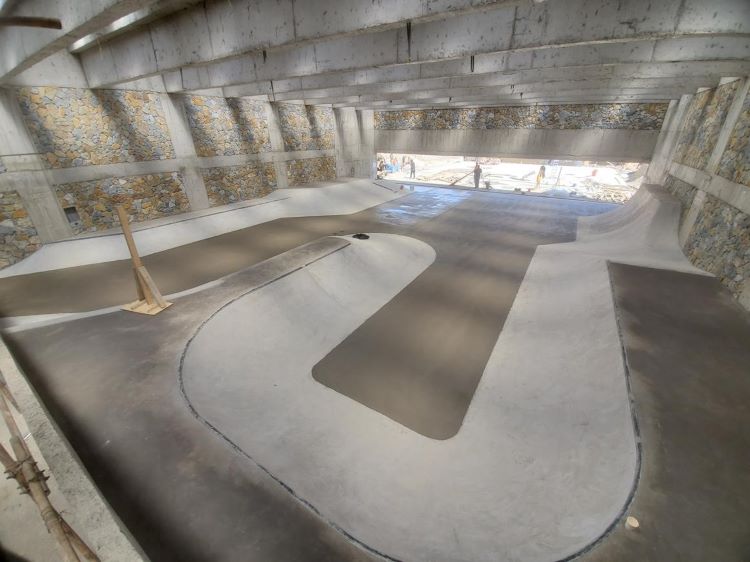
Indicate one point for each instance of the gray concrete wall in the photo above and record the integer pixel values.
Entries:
(577, 144)
(355, 149)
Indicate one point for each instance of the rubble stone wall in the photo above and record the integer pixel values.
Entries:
(144, 197)
(78, 127)
(306, 127)
(719, 243)
(227, 126)
(635, 116)
(703, 122)
(311, 170)
(18, 237)
(239, 183)
(735, 162)
(682, 190)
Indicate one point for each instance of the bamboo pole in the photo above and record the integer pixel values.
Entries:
(32, 481)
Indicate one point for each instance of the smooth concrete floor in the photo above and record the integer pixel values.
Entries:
(110, 380)
(687, 345)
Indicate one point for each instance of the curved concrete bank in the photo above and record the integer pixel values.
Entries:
(544, 461)
(336, 199)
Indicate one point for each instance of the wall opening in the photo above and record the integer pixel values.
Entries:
(71, 213)
(614, 182)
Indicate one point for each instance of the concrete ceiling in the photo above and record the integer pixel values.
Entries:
(400, 53)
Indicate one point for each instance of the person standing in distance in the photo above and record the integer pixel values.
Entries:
(477, 175)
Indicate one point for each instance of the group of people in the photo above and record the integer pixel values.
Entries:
(382, 165)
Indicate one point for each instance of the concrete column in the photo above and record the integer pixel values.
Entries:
(26, 173)
(735, 109)
(355, 151)
(184, 148)
(277, 143)
(667, 141)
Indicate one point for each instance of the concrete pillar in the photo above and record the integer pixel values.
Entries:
(26, 173)
(667, 141)
(355, 151)
(733, 114)
(277, 143)
(184, 148)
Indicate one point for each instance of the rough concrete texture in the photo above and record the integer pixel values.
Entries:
(337, 198)
(18, 237)
(144, 197)
(643, 116)
(78, 127)
(310, 170)
(702, 125)
(239, 183)
(735, 162)
(23, 531)
(205, 501)
(306, 127)
(719, 242)
(687, 367)
(394, 216)
(226, 126)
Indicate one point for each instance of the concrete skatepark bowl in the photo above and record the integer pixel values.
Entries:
(452, 387)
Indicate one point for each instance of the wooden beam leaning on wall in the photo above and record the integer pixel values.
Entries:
(150, 300)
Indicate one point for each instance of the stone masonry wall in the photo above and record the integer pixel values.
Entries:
(18, 237)
(227, 126)
(705, 117)
(735, 162)
(638, 116)
(683, 191)
(306, 127)
(239, 183)
(77, 127)
(311, 170)
(144, 197)
(720, 243)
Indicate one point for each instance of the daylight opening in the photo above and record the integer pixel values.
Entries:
(614, 182)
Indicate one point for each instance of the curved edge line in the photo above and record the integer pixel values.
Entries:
(589, 547)
(636, 431)
(237, 448)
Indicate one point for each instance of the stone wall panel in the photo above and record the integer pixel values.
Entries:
(239, 183)
(703, 125)
(227, 126)
(144, 197)
(18, 236)
(310, 170)
(683, 191)
(720, 243)
(78, 127)
(306, 127)
(735, 162)
(635, 116)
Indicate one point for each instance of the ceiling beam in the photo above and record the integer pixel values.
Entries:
(670, 30)
(24, 47)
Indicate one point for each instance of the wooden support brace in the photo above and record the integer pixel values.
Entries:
(150, 299)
